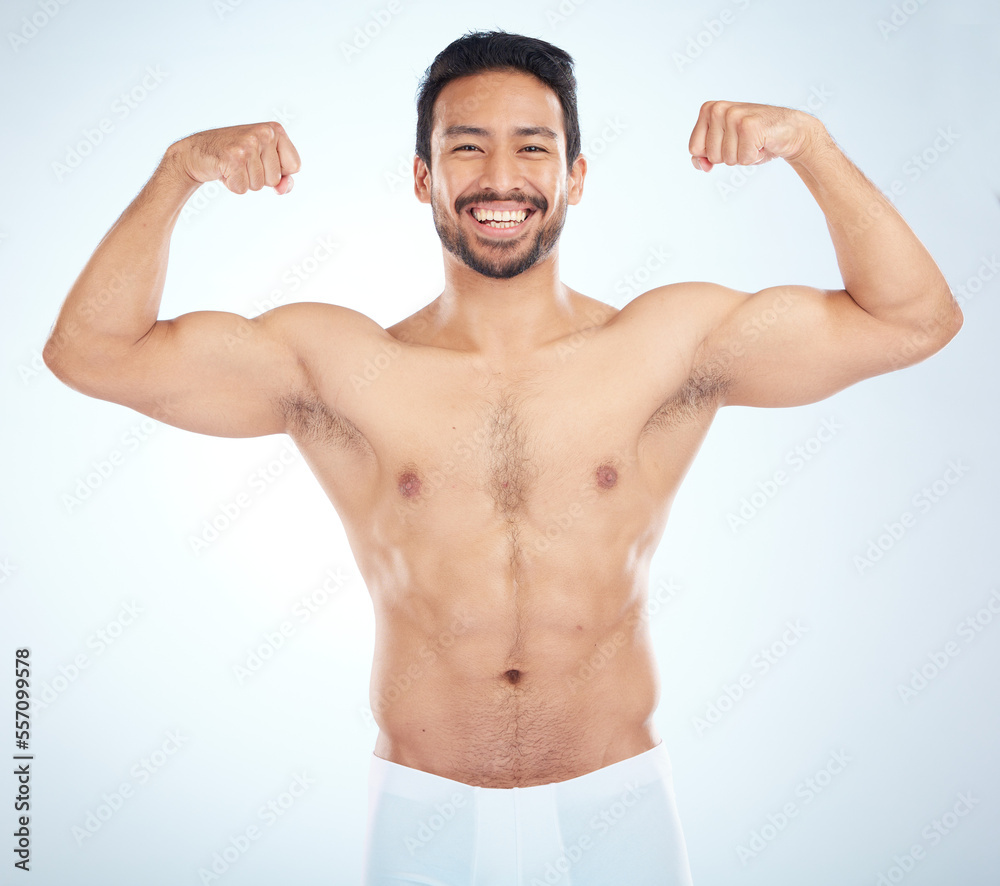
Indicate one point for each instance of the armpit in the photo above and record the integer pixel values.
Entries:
(702, 391)
(310, 420)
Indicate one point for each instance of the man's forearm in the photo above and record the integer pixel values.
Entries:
(885, 268)
(116, 298)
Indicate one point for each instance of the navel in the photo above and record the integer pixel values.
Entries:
(513, 675)
(607, 476)
(408, 484)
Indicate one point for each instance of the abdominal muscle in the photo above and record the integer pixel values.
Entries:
(501, 683)
(475, 726)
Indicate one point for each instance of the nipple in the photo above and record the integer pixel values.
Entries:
(607, 476)
(409, 484)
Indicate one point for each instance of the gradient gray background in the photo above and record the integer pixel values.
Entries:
(69, 569)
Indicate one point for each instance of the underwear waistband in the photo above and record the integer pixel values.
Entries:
(644, 768)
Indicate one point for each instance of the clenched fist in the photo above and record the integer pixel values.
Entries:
(743, 134)
(241, 157)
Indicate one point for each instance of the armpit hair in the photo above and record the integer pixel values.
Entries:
(703, 390)
(310, 420)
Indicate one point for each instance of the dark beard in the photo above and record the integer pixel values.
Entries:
(503, 260)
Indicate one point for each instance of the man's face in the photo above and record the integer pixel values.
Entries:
(498, 146)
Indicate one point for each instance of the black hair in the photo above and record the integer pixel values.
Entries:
(481, 51)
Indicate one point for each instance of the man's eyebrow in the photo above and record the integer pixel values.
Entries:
(541, 131)
(460, 129)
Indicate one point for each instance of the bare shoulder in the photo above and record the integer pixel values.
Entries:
(328, 339)
(302, 321)
(679, 318)
(667, 328)
(693, 308)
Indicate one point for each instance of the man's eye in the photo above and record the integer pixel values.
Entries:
(534, 148)
(463, 147)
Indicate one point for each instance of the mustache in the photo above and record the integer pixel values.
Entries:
(540, 203)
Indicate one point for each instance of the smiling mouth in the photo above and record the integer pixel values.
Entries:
(505, 218)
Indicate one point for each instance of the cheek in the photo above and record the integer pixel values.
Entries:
(442, 200)
(446, 193)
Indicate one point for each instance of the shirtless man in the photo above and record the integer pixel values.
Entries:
(506, 478)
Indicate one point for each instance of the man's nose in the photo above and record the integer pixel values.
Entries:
(501, 173)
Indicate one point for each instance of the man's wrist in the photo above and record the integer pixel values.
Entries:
(172, 172)
(816, 144)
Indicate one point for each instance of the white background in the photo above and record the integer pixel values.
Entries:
(70, 564)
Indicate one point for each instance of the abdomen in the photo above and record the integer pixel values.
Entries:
(489, 691)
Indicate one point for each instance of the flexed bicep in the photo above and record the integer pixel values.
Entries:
(212, 372)
(793, 345)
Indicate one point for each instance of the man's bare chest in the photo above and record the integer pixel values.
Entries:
(432, 431)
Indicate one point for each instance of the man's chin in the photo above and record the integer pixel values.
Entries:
(506, 271)
(498, 247)
(499, 273)
(501, 261)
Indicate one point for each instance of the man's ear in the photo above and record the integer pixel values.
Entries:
(421, 180)
(574, 180)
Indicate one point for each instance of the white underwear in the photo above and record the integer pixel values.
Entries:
(616, 825)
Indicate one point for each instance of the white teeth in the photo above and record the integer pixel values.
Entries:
(500, 216)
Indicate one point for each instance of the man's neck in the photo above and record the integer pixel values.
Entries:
(502, 319)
